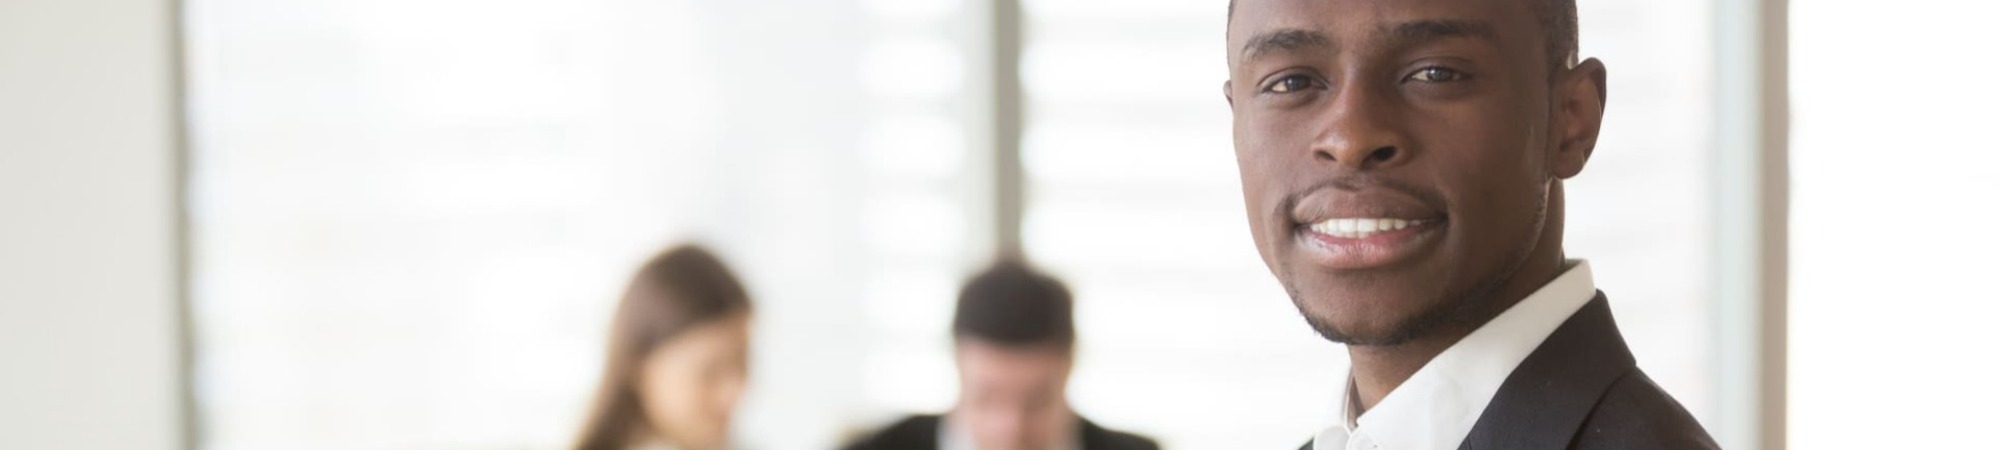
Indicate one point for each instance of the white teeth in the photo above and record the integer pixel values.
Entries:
(1359, 228)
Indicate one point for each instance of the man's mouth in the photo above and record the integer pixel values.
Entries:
(1361, 228)
(1362, 225)
(1348, 243)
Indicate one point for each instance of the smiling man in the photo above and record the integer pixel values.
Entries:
(1403, 165)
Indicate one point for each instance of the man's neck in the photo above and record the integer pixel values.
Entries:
(1379, 369)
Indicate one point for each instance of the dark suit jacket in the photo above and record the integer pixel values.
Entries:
(1581, 390)
(921, 433)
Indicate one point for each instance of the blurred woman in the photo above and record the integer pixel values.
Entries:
(677, 360)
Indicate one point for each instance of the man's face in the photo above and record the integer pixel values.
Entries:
(1013, 398)
(1398, 156)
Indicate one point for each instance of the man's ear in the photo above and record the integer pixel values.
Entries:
(1226, 95)
(1580, 94)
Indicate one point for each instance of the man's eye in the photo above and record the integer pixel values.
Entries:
(1292, 83)
(1437, 75)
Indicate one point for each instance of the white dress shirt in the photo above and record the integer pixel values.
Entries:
(654, 445)
(954, 437)
(1437, 406)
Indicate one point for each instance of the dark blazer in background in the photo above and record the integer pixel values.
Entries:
(1581, 389)
(921, 433)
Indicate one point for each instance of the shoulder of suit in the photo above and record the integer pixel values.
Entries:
(1635, 413)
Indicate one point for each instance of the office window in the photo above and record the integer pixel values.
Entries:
(411, 218)
(1641, 210)
(1133, 196)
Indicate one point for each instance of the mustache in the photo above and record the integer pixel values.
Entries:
(1356, 183)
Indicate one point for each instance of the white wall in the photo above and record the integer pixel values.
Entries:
(87, 281)
(1893, 330)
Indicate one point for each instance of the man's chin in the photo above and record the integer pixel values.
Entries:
(1373, 325)
(1359, 335)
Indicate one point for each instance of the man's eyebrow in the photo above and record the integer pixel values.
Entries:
(1289, 39)
(1283, 40)
(1424, 30)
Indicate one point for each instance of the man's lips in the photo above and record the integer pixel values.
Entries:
(1364, 228)
(1337, 203)
(1367, 242)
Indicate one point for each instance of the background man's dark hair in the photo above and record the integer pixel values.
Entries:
(1558, 18)
(1013, 305)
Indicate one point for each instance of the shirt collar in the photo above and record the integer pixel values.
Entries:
(951, 436)
(1438, 405)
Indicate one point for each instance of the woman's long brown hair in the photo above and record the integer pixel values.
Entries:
(681, 288)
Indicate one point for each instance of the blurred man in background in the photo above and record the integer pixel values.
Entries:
(1015, 342)
(1402, 165)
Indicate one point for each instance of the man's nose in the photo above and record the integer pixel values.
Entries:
(1361, 131)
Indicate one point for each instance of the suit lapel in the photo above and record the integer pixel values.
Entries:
(1547, 398)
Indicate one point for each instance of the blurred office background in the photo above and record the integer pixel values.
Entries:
(373, 224)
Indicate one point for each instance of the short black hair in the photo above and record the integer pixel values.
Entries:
(1559, 28)
(1013, 305)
